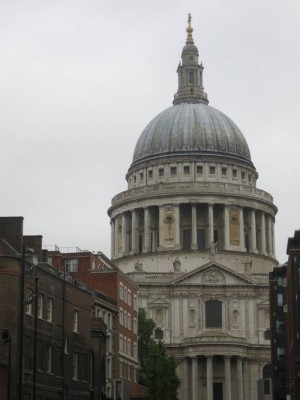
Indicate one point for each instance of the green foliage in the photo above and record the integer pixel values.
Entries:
(158, 370)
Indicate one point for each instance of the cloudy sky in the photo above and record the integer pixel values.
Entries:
(79, 81)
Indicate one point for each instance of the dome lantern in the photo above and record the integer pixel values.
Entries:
(190, 73)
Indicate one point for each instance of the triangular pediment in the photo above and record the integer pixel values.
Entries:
(212, 273)
(158, 301)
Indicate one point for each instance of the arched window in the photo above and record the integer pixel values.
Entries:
(213, 314)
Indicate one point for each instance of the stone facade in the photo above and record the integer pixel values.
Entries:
(197, 236)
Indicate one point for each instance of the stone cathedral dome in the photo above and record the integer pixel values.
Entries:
(190, 126)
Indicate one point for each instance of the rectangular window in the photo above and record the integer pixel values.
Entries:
(29, 301)
(129, 297)
(224, 171)
(212, 170)
(280, 299)
(191, 77)
(76, 321)
(71, 265)
(121, 316)
(125, 319)
(186, 170)
(243, 175)
(49, 309)
(161, 172)
(129, 347)
(135, 302)
(129, 322)
(134, 325)
(40, 308)
(125, 294)
(141, 176)
(49, 260)
(199, 169)
(150, 174)
(249, 178)
(173, 170)
(213, 314)
(135, 350)
(75, 366)
(121, 343)
(280, 353)
(121, 291)
(201, 239)
(49, 356)
(234, 173)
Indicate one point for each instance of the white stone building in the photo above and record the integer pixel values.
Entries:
(197, 235)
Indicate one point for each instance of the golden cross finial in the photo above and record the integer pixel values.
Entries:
(189, 30)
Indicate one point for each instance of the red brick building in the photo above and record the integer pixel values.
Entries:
(50, 326)
(99, 273)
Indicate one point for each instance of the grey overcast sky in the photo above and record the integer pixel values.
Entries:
(79, 81)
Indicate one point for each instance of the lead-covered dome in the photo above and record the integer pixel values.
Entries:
(194, 128)
(190, 126)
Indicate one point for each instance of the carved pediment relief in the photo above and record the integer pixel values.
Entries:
(212, 274)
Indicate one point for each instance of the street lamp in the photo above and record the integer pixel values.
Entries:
(7, 340)
(33, 260)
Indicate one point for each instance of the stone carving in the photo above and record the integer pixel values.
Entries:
(248, 266)
(138, 266)
(213, 276)
(176, 264)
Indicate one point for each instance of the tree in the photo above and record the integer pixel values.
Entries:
(146, 327)
(158, 370)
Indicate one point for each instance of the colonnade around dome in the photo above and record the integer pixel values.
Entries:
(192, 227)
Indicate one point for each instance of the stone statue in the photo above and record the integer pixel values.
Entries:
(176, 264)
(213, 248)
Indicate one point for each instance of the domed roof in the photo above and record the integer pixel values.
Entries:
(191, 128)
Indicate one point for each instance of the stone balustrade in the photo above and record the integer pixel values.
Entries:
(207, 188)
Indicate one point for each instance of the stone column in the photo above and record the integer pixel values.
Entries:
(146, 230)
(242, 230)
(226, 228)
(273, 236)
(240, 389)
(209, 377)
(195, 378)
(246, 378)
(227, 378)
(123, 234)
(177, 225)
(186, 378)
(116, 237)
(263, 233)
(133, 231)
(270, 241)
(112, 238)
(161, 226)
(194, 227)
(210, 224)
(253, 244)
